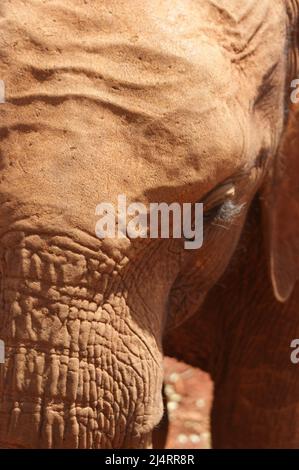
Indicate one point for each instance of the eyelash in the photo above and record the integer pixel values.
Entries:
(226, 211)
(213, 213)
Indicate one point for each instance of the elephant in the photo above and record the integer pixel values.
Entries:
(162, 101)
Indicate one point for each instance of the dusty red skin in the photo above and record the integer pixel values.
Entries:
(161, 100)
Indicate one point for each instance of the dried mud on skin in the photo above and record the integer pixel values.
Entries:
(189, 396)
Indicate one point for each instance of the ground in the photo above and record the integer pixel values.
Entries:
(189, 395)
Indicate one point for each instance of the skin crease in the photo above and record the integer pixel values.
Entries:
(161, 101)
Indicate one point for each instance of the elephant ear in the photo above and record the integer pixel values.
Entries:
(281, 197)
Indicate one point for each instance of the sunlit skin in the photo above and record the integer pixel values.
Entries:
(163, 101)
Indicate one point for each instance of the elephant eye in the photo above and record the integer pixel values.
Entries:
(213, 213)
(216, 200)
(223, 208)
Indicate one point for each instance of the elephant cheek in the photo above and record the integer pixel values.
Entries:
(79, 370)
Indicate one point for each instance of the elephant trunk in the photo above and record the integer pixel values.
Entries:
(80, 372)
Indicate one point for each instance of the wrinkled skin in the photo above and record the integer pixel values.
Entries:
(160, 101)
(242, 338)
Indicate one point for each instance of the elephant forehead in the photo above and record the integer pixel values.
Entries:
(84, 61)
(113, 86)
(137, 59)
(140, 57)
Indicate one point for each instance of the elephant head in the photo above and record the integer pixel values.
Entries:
(169, 101)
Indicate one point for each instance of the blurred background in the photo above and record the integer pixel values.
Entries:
(189, 394)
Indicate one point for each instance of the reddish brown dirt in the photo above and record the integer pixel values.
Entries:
(189, 395)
